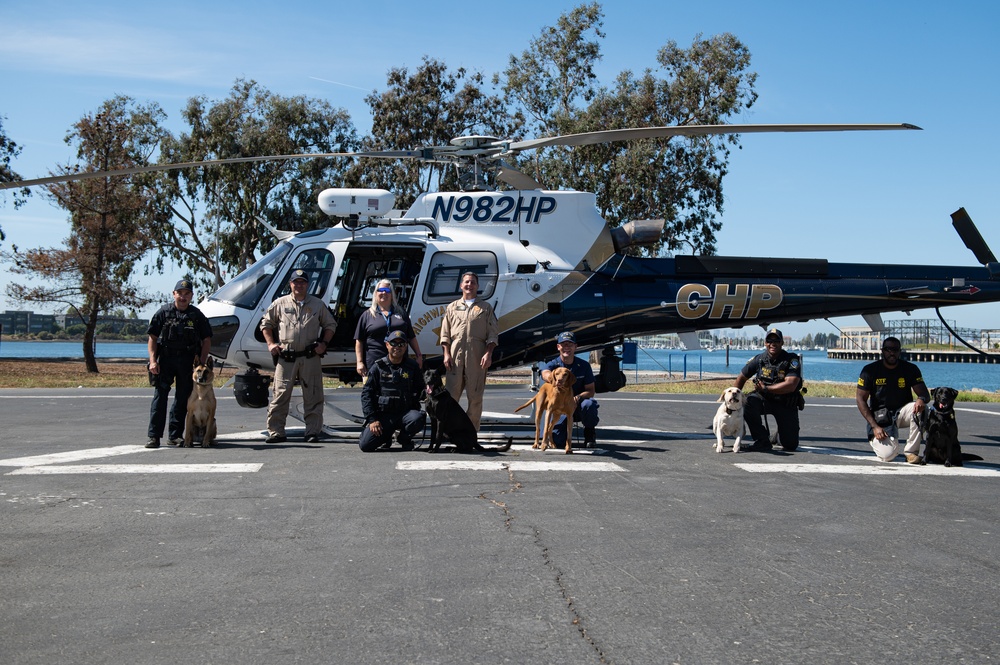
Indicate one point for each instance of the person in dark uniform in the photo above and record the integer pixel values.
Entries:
(390, 398)
(179, 334)
(384, 316)
(885, 400)
(777, 377)
(583, 391)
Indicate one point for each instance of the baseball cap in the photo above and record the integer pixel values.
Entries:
(299, 274)
(772, 333)
(183, 285)
(394, 335)
(566, 337)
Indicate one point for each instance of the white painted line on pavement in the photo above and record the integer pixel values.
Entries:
(882, 469)
(137, 468)
(74, 456)
(500, 465)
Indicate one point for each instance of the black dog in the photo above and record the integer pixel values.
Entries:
(449, 420)
(941, 430)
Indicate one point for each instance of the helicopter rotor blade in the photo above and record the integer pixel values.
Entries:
(592, 138)
(472, 148)
(515, 178)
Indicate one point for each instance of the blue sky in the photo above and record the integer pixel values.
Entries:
(865, 197)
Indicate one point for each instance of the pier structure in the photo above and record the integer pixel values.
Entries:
(924, 340)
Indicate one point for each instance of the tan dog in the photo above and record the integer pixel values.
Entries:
(555, 399)
(201, 407)
(728, 419)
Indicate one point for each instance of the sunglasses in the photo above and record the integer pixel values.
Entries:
(397, 343)
(384, 289)
(891, 349)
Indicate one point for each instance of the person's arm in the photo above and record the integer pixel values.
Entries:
(419, 357)
(267, 331)
(923, 397)
(445, 341)
(359, 355)
(151, 347)
(492, 336)
(588, 392)
(206, 346)
(789, 385)
(861, 399)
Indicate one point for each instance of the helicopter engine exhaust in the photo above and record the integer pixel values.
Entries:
(637, 232)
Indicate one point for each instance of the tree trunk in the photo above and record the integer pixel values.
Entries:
(89, 333)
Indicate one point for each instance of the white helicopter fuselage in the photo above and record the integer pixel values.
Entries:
(527, 246)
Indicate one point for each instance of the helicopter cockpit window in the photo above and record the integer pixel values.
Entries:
(446, 270)
(247, 289)
(318, 264)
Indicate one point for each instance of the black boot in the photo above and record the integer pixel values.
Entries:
(589, 437)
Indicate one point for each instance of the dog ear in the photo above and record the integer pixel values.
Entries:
(211, 363)
(722, 397)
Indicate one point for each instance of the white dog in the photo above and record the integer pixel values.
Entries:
(728, 419)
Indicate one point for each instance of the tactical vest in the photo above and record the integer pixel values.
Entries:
(178, 334)
(394, 388)
(771, 374)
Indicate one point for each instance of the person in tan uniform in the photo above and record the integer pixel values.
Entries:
(297, 329)
(469, 334)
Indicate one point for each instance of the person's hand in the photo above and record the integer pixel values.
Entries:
(486, 360)
(360, 367)
(274, 348)
(154, 367)
(879, 433)
(376, 428)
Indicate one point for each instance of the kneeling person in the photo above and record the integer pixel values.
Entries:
(390, 398)
(583, 391)
(885, 400)
(777, 377)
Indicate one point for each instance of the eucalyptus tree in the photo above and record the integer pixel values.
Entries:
(214, 228)
(427, 107)
(108, 216)
(680, 180)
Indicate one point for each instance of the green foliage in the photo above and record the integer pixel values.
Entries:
(8, 151)
(251, 122)
(429, 107)
(678, 180)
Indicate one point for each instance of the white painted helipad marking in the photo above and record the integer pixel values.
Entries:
(73, 456)
(881, 469)
(501, 465)
(136, 468)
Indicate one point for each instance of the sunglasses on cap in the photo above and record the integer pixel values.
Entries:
(384, 289)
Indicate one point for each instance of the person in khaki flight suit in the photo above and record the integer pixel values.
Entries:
(304, 327)
(469, 333)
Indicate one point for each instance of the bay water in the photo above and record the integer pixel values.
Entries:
(681, 364)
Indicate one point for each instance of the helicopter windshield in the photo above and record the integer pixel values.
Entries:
(247, 288)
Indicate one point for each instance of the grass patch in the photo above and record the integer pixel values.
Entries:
(34, 373)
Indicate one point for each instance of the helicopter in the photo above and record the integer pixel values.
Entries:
(547, 262)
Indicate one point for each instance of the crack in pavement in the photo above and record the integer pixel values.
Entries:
(577, 620)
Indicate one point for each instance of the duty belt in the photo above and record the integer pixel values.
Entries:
(290, 356)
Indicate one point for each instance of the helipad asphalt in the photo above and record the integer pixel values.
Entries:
(651, 548)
